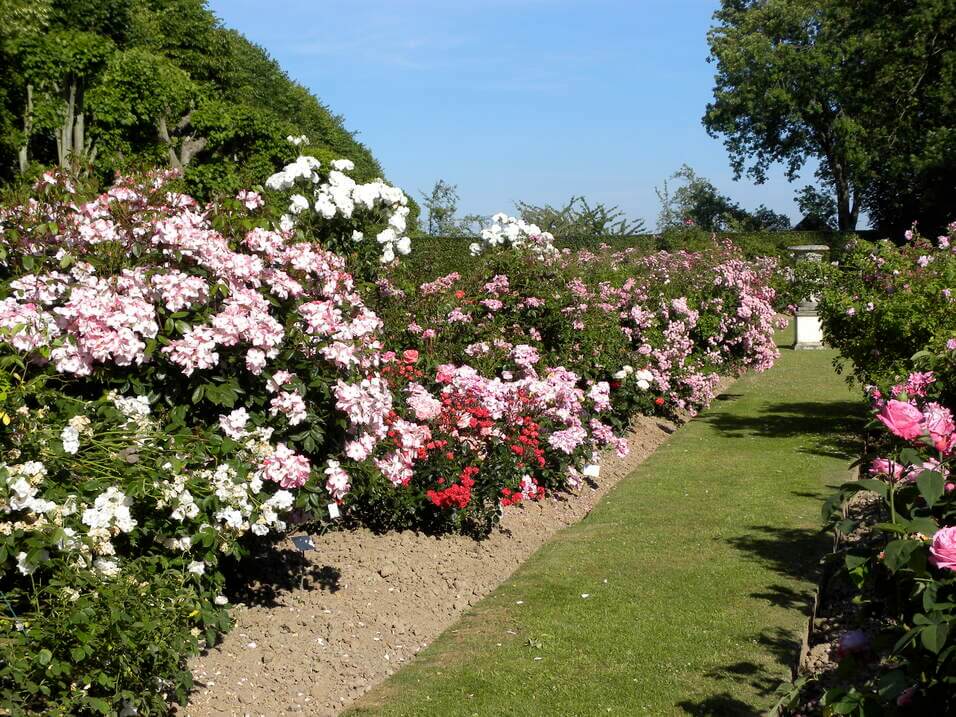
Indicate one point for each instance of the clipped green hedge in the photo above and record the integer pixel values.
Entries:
(434, 256)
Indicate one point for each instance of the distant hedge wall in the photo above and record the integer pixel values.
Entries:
(434, 256)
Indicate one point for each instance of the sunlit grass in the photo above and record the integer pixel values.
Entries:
(684, 592)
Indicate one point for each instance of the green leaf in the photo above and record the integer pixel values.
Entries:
(892, 683)
(855, 561)
(44, 656)
(909, 456)
(934, 636)
(931, 486)
(922, 524)
(898, 553)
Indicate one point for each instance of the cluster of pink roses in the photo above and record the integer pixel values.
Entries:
(141, 277)
(927, 426)
(200, 305)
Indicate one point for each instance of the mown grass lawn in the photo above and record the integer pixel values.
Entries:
(684, 592)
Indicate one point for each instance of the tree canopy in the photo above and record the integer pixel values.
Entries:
(868, 87)
(106, 85)
(698, 202)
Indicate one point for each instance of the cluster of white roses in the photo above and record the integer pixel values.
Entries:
(643, 376)
(506, 231)
(83, 532)
(336, 194)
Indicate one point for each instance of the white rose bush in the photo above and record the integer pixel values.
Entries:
(181, 380)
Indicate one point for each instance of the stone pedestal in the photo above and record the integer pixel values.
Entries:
(809, 332)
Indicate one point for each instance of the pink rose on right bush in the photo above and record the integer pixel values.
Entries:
(942, 553)
(939, 424)
(902, 419)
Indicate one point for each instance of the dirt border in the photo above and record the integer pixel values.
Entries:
(316, 630)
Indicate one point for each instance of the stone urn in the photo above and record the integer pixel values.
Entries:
(809, 333)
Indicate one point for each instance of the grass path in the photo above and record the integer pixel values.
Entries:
(698, 571)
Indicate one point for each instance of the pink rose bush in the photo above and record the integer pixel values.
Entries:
(901, 306)
(908, 575)
(889, 311)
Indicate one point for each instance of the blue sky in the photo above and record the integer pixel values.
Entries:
(533, 100)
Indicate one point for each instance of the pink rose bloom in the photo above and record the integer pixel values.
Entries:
(902, 419)
(890, 469)
(410, 355)
(942, 553)
(285, 467)
(251, 199)
(446, 372)
(939, 424)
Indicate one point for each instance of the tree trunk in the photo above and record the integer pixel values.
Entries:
(23, 153)
(846, 215)
(189, 147)
(64, 140)
(164, 137)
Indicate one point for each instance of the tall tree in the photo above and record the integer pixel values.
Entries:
(857, 84)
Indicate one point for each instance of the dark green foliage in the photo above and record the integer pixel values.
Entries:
(119, 85)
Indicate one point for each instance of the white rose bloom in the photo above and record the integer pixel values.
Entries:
(357, 235)
(106, 568)
(620, 375)
(281, 500)
(387, 236)
(388, 254)
(286, 223)
(71, 440)
(404, 246)
(298, 204)
(343, 165)
(397, 221)
(325, 206)
(26, 567)
(643, 385)
(221, 600)
(197, 567)
(231, 517)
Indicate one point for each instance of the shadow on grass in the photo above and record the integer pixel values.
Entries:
(793, 552)
(832, 428)
(783, 648)
(722, 705)
(270, 572)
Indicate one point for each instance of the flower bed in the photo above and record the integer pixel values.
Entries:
(179, 380)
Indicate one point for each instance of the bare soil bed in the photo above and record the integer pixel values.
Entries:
(315, 630)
